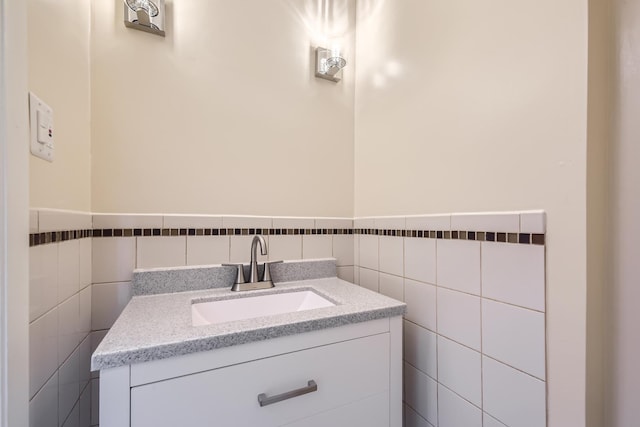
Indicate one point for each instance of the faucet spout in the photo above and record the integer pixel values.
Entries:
(253, 275)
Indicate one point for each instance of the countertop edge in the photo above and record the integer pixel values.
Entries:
(117, 359)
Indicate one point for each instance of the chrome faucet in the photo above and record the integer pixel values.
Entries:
(255, 280)
(253, 274)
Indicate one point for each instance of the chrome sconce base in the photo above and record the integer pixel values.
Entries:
(145, 15)
(329, 64)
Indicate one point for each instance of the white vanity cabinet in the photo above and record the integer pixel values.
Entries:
(356, 371)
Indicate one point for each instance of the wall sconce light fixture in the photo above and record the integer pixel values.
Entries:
(145, 15)
(329, 64)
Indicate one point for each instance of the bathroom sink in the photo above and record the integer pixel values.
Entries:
(219, 311)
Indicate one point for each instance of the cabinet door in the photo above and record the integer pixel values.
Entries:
(344, 372)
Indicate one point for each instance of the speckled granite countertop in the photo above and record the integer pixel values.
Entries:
(155, 327)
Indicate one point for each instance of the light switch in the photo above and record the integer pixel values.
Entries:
(41, 117)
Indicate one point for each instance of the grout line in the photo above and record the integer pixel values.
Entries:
(417, 413)
(514, 368)
(495, 418)
(460, 396)
(55, 372)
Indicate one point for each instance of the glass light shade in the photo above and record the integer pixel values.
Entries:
(146, 5)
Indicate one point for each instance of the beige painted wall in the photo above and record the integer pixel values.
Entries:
(474, 106)
(58, 39)
(223, 115)
(623, 340)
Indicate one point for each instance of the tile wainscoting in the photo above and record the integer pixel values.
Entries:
(474, 344)
(474, 285)
(60, 322)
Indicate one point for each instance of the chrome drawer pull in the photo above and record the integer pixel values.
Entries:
(310, 388)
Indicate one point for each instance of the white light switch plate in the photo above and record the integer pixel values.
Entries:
(41, 120)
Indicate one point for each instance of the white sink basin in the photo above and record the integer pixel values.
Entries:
(210, 312)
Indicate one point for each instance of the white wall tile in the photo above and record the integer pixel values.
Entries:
(458, 264)
(514, 274)
(33, 221)
(285, 247)
(61, 220)
(459, 368)
(459, 317)
(364, 222)
(95, 402)
(240, 249)
(412, 419)
(246, 222)
(346, 273)
(454, 411)
(369, 279)
(164, 251)
(429, 222)
(515, 336)
(420, 259)
(343, 249)
(43, 350)
(205, 250)
(86, 249)
(126, 221)
(368, 251)
(294, 222)
(511, 396)
(489, 421)
(113, 259)
(107, 302)
(43, 408)
(317, 246)
(420, 348)
(85, 407)
(68, 269)
(391, 255)
(421, 303)
(507, 222)
(391, 286)
(356, 275)
(73, 420)
(96, 339)
(43, 279)
(356, 250)
(533, 222)
(69, 386)
(389, 223)
(340, 223)
(84, 362)
(192, 221)
(84, 322)
(421, 393)
(69, 335)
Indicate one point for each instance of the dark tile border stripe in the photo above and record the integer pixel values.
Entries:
(36, 239)
(480, 236)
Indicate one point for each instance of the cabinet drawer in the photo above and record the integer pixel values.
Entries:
(344, 372)
(370, 412)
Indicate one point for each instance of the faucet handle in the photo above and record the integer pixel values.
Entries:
(266, 275)
(240, 272)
